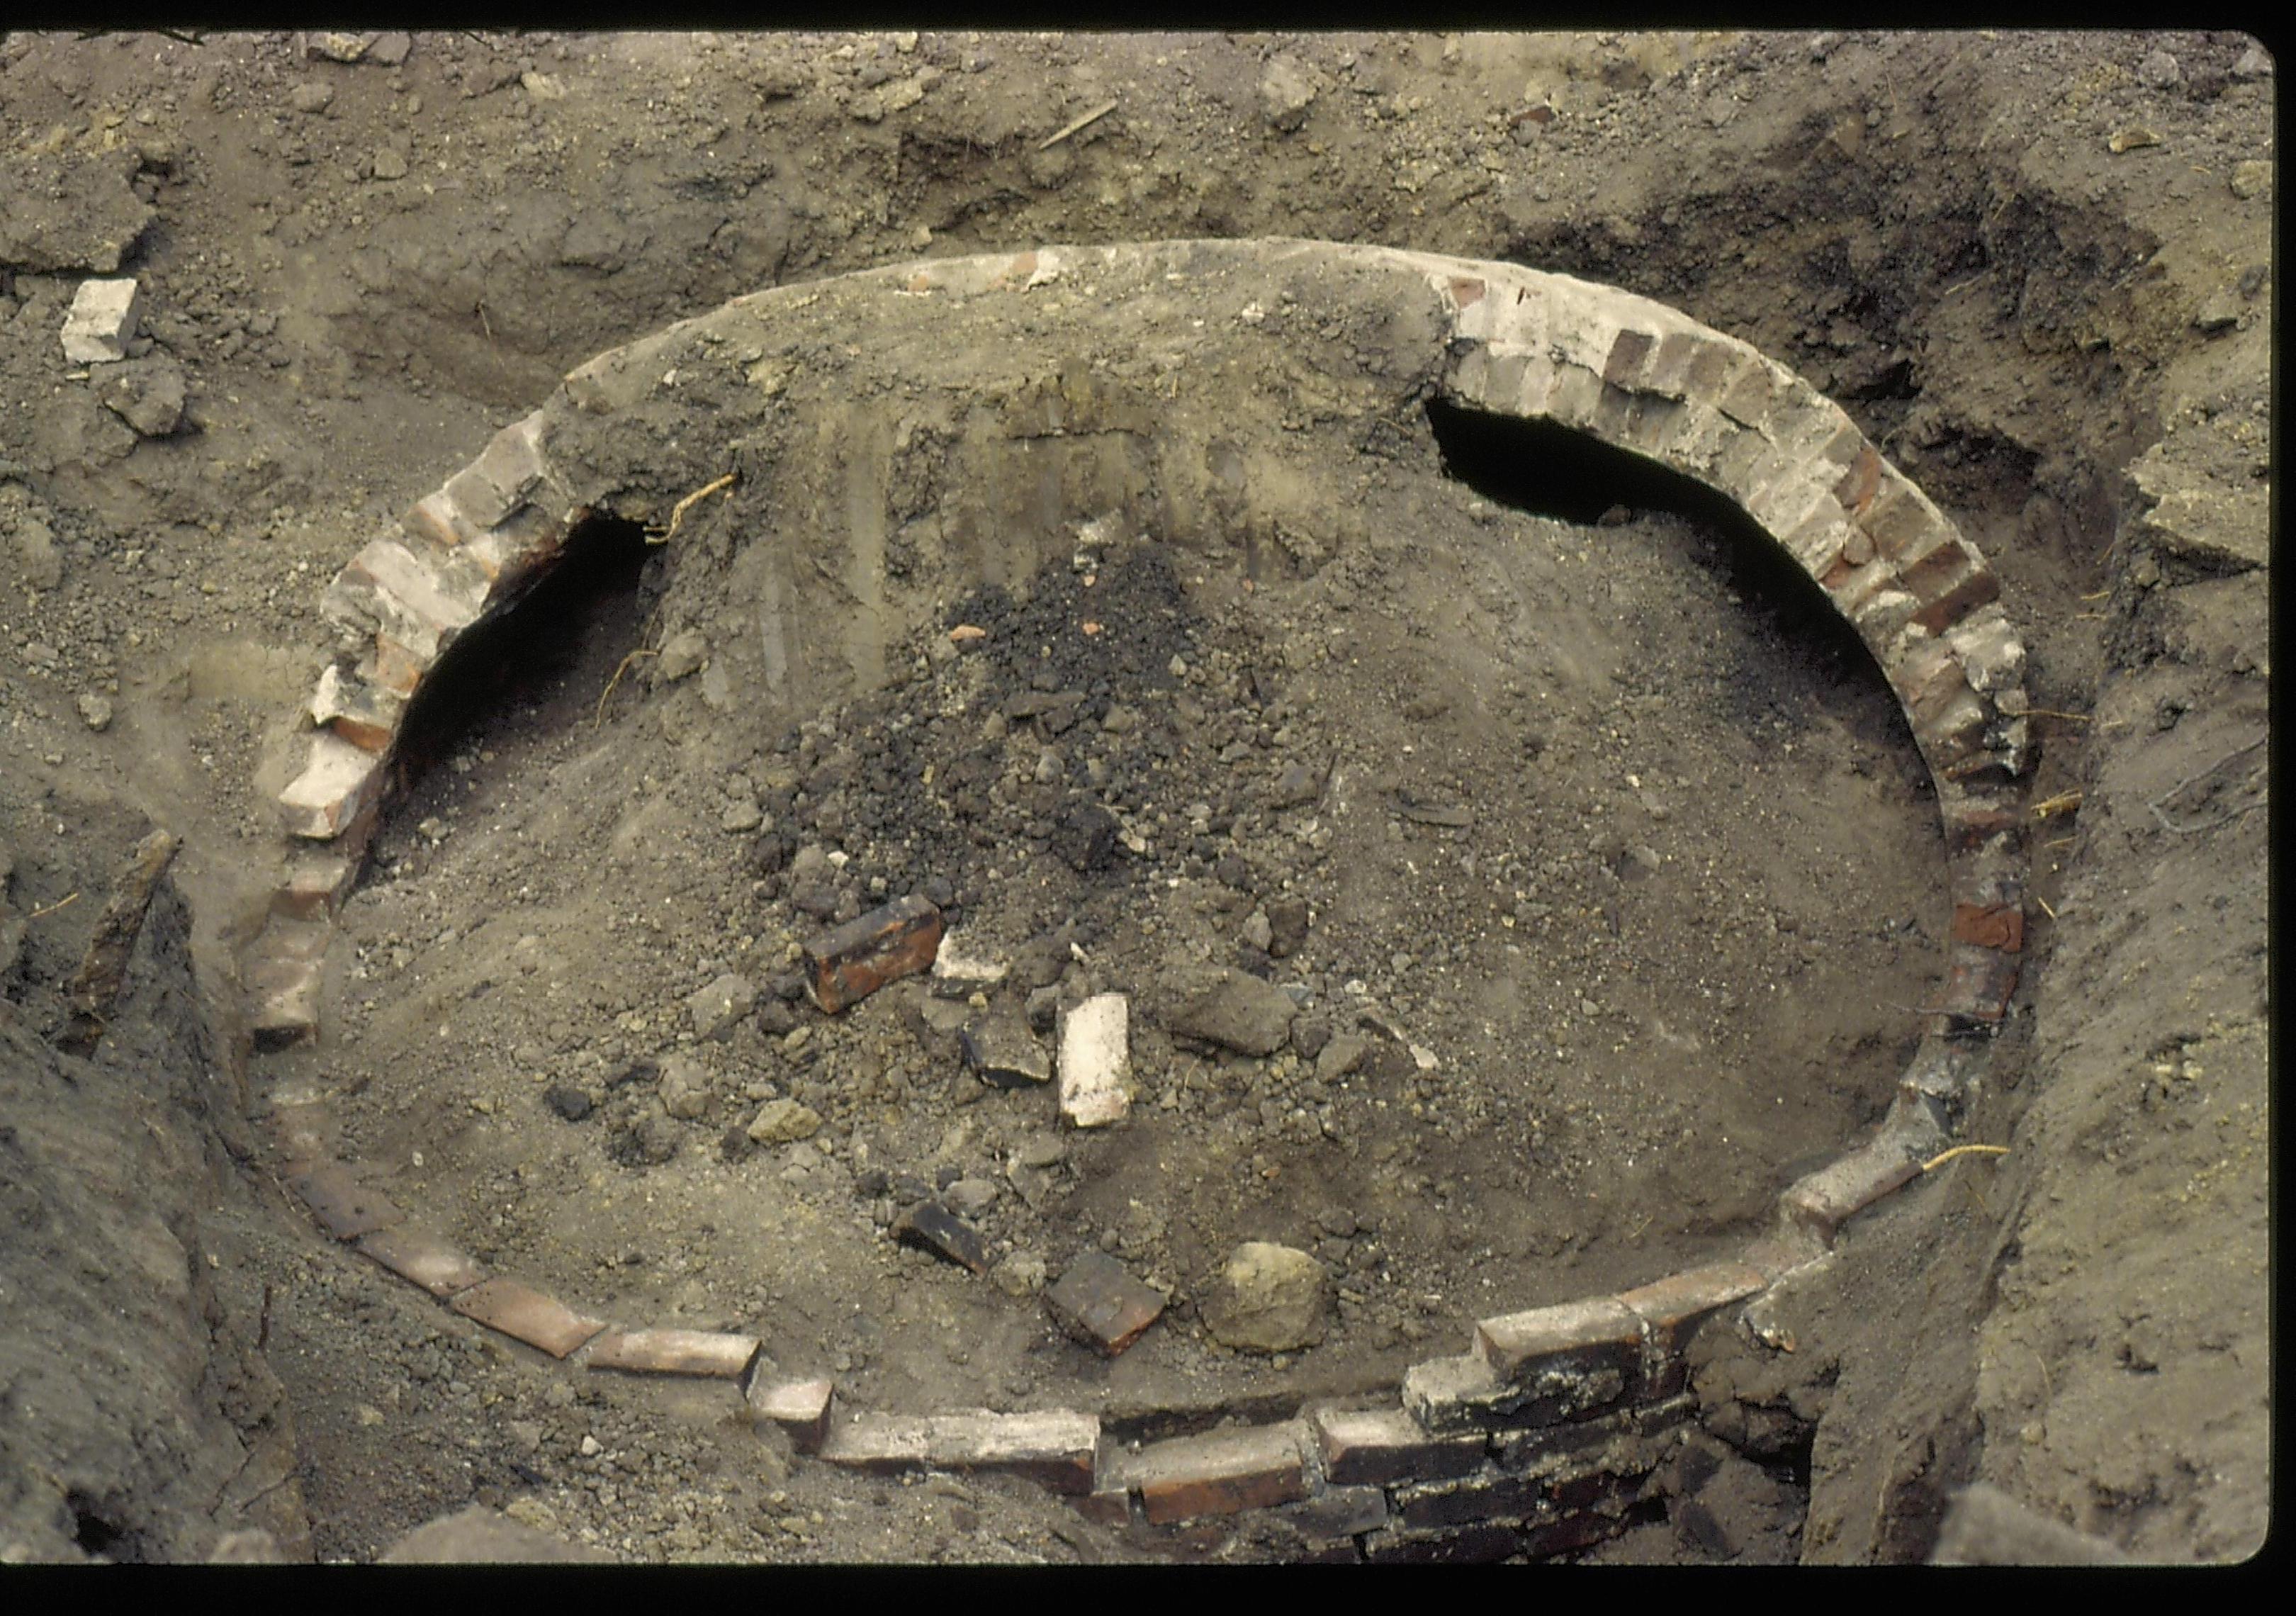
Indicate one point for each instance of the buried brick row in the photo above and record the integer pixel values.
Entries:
(1535, 1439)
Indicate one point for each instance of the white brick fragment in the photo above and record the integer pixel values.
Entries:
(102, 320)
(1096, 1061)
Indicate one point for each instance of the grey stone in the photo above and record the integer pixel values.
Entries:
(2158, 71)
(389, 163)
(311, 96)
(95, 710)
(1297, 786)
(1343, 1054)
(479, 1535)
(2254, 63)
(1268, 1298)
(1985, 1526)
(147, 393)
(1287, 926)
(683, 654)
(35, 548)
(685, 1087)
(717, 1007)
(1002, 1051)
(1230, 1008)
(1286, 92)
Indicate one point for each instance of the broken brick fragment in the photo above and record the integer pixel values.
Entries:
(936, 1229)
(1099, 1303)
(847, 963)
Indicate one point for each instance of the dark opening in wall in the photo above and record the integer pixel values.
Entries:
(540, 665)
(1551, 471)
(94, 1534)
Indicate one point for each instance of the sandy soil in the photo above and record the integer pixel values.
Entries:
(1696, 830)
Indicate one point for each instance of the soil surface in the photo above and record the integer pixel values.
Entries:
(1598, 880)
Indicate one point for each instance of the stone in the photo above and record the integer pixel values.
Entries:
(1096, 1061)
(1221, 1473)
(1286, 92)
(332, 46)
(1099, 1303)
(685, 1087)
(716, 1007)
(933, 1227)
(147, 393)
(2158, 71)
(476, 1535)
(1231, 1008)
(1380, 1446)
(35, 548)
(102, 320)
(1005, 1052)
(1344, 1054)
(800, 1409)
(311, 96)
(94, 710)
(389, 163)
(1985, 1526)
(525, 1314)
(1287, 926)
(569, 1101)
(1022, 1274)
(1056, 1448)
(2252, 178)
(784, 1122)
(2253, 63)
(390, 48)
(849, 963)
(1296, 787)
(1268, 1298)
(711, 1354)
(682, 656)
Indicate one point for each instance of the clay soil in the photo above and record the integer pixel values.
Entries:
(1601, 870)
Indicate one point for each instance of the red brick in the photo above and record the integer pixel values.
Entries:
(801, 1408)
(1978, 983)
(422, 1258)
(525, 1314)
(1975, 588)
(710, 1353)
(435, 519)
(853, 961)
(1056, 1448)
(365, 716)
(318, 879)
(1902, 526)
(338, 781)
(1098, 1302)
(2000, 926)
(345, 1207)
(1672, 1309)
(1571, 1359)
(1385, 1445)
(1686, 365)
(1219, 1474)
(1828, 1198)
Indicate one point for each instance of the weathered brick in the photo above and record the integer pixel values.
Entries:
(1654, 425)
(1055, 1448)
(1219, 1473)
(1096, 1061)
(505, 474)
(1671, 1310)
(1570, 1358)
(1945, 603)
(103, 320)
(338, 783)
(852, 961)
(1500, 374)
(1978, 983)
(1622, 367)
(1613, 411)
(2000, 926)
(285, 971)
(1687, 365)
(801, 1408)
(1623, 1440)
(1576, 392)
(1447, 1395)
(1475, 1545)
(422, 1259)
(1338, 1512)
(1099, 1303)
(304, 1132)
(1385, 1445)
(317, 881)
(1578, 1531)
(1881, 616)
(1494, 1498)
(365, 716)
(515, 552)
(1828, 1198)
(1472, 310)
(1990, 648)
(712, 1354)
(1903, 525)
(435, 520)
(525, 1314)
(1746, 398)
(345, 1207)
(1786, 1249)
(934, 1227)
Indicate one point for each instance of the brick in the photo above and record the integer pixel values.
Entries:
(1110, 1501)
(847, 963)
(1448, 1395)
(1005, 1052)
(1861, 480)
(1943, 607)
(1612, 1443)
(1830, 1197)
(1219, 1474)
(1613, 411)
(1953, 732)
(1672, 1308)
(1746, 398)
(438, 592)
(1990, 648)
(1685, 366)
(505, 473)
(1576, 392)
(102, 320)
(514, 551)
(1472, 310)
(285, 972)
(338, 783)
(801, 1408)
(435, 520)
(365, 716)
(935, 1228)
(1979, 984)
(1654, 425)
(2000, 926)
(1385, 1445)
(1494, 1498)
(304, 1134)
(1791, 1247)
(1903, 526)
(1623, 366)
(422, 1259)
(345, 1208)
(1096, 1061)
(1099, 1303)
(711, 1354)
(1881, 616)
(317, 881)
(525, 1314)
(1571, 1532)
(1054, 1449)
(1571, 1359)
(1476, 1544)
(1338, 1512)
